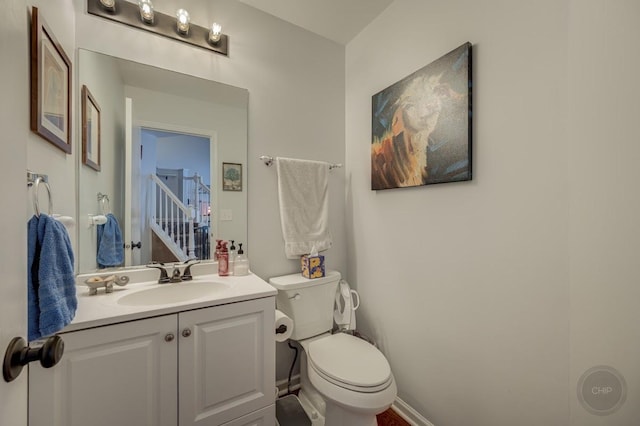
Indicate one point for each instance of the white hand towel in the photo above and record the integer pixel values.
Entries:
(303, 191)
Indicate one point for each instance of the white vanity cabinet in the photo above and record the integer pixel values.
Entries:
(204, 367)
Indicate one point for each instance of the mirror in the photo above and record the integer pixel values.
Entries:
(164, 137)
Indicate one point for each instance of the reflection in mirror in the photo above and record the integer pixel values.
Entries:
(164, 137)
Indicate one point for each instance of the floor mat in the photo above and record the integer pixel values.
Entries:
(289, 412)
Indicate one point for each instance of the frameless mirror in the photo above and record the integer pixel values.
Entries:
(164, 140)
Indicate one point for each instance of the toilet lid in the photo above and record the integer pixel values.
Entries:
(349, 360)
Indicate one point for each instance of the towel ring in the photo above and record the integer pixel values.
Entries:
(36, 184)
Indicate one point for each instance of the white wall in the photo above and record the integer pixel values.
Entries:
(492, 297)
(464, 285)
(604, 206)
(42, 156)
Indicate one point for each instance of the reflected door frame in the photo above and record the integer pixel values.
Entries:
(143, 223)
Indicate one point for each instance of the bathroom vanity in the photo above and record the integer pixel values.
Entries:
(136, 357)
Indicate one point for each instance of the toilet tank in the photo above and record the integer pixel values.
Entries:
(308, 302)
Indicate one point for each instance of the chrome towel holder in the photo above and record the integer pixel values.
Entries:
(34, 180)
(268, 161)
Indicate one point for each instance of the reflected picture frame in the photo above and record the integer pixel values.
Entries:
(50, 85)
(90, 130)
(231, 177)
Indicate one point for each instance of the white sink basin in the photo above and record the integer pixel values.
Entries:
(172, 293)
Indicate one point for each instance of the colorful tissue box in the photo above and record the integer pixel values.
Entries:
(312, 266)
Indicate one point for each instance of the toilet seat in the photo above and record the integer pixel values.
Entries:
(349, 362)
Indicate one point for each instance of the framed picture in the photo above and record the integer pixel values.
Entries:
(50, 85)
(231, 177)
(90, 130)
(421, 125)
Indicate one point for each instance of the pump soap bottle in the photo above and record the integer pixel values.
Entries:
(232, 257)
(223, 261)
(218, 247)
(241, 265)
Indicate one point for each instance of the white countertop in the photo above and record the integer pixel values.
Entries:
(104, 309)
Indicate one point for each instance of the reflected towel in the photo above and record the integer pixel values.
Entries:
(110, 248)
(51, 283)
(303, 191)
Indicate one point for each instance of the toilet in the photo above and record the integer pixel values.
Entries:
(344, 380)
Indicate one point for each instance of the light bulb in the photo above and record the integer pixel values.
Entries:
(108, 5)
(182, 21)
(146, 11)
(215, 33)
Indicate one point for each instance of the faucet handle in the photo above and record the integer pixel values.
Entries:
(164, 277)
(186, 275)
(175, 274)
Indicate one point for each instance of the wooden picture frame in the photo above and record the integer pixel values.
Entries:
(231, 177)
(90, 130)
(50, 85)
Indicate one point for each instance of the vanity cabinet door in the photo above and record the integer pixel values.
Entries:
(226, 362)
(123, 374)
(263, 417)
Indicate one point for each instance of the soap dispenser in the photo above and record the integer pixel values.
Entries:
(218, 247)
(232, 257)
(223, 260)
(241, 265)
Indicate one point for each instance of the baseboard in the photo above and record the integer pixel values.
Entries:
(282, 385)
(405, 411)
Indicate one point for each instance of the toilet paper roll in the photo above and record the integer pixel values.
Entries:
(284, 327)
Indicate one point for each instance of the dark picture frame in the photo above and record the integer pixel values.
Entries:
(50, 85)
(421, 125)
(231, 177)
(90, 130)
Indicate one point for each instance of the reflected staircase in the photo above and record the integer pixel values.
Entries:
(179, 226)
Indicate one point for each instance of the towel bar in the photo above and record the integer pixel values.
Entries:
(268, 161)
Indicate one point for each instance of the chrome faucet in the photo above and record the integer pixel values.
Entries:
(176, 277)
(164, 277)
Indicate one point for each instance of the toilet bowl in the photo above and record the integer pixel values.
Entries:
(344, 380)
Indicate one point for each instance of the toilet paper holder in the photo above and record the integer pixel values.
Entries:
(281, 329)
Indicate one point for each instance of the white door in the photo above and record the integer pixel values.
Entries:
(226, 362)
(133, 218)
(122, 374)
(14, 122)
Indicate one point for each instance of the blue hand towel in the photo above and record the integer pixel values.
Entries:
(110, 248)
(52, 301)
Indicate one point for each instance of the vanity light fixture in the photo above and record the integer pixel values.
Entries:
(177, 27)
(109, 5)
(146, 11)
(215, 33)
(182, 21)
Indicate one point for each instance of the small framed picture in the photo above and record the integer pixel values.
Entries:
(50, 85)
(231, 177)
(90, 130)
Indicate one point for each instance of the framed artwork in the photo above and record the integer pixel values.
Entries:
(90, 130)
(231, 177)
(421, 125)
(50, 85)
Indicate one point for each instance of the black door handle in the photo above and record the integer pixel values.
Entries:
(18, 355)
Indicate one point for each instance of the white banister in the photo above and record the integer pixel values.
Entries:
(175, 219)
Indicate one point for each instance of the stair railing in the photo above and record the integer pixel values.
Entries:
(174, 218)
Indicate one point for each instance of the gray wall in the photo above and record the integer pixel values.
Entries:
(490, 298)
